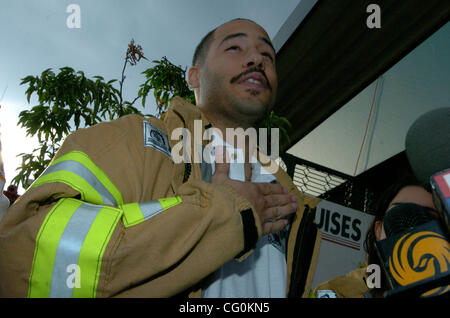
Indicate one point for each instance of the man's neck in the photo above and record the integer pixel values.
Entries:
(232, 132)
(223, 121)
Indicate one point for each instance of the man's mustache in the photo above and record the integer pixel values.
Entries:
(255, 69)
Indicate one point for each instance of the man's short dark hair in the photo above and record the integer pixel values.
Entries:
(201, 51)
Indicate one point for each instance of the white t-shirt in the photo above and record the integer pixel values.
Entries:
(263, 273)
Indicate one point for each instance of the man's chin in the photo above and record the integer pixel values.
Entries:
(253, 108)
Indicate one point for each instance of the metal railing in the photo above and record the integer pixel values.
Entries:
(322, 182)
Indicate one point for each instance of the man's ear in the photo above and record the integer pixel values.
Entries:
(194, 76)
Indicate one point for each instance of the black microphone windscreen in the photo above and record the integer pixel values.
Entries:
(428, 144)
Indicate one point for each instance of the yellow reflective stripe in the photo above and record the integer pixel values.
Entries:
(135, 213)
(93, 249)
(46, 245)
(88, 193)
(132, 214)
(74, 234)
(167, 203)
(88, 163)
(79, 163)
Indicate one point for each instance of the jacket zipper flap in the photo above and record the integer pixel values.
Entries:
(303, 251)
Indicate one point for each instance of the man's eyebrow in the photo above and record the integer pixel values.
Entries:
(235, 35)
(232, 36)
(267, 41)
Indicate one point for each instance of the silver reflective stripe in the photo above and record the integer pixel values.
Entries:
(150, 209)
(69, 248)
(86, 174)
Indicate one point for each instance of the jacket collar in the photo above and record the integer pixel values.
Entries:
(187, 111)
(182, 114)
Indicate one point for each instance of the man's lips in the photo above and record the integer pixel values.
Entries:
(252, 79)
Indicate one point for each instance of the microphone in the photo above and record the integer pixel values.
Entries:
(427, 144)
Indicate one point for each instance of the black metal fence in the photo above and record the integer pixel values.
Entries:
(358, 192)
(311, 178)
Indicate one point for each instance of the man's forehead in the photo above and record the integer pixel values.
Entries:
(239, 26)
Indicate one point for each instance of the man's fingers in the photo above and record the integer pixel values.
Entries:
(279, 212)
(273, 200)
(271, 188)
(248, 171)
(277, 218)
(222, 162)
(275, 226)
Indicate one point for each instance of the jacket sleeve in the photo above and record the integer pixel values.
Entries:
(350, 285)
(82, 230)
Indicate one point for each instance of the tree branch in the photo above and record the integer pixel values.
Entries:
(121, 86)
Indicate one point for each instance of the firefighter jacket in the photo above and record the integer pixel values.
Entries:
(114, 215)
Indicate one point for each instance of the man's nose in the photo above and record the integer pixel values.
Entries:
(254, 58)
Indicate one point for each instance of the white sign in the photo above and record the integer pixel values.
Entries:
(343, 234)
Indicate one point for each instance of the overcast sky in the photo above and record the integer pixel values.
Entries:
(34, 36)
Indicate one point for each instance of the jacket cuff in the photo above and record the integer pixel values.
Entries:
(250, 231)
(251, 225)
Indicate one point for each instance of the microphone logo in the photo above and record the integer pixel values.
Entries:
(420, 255)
